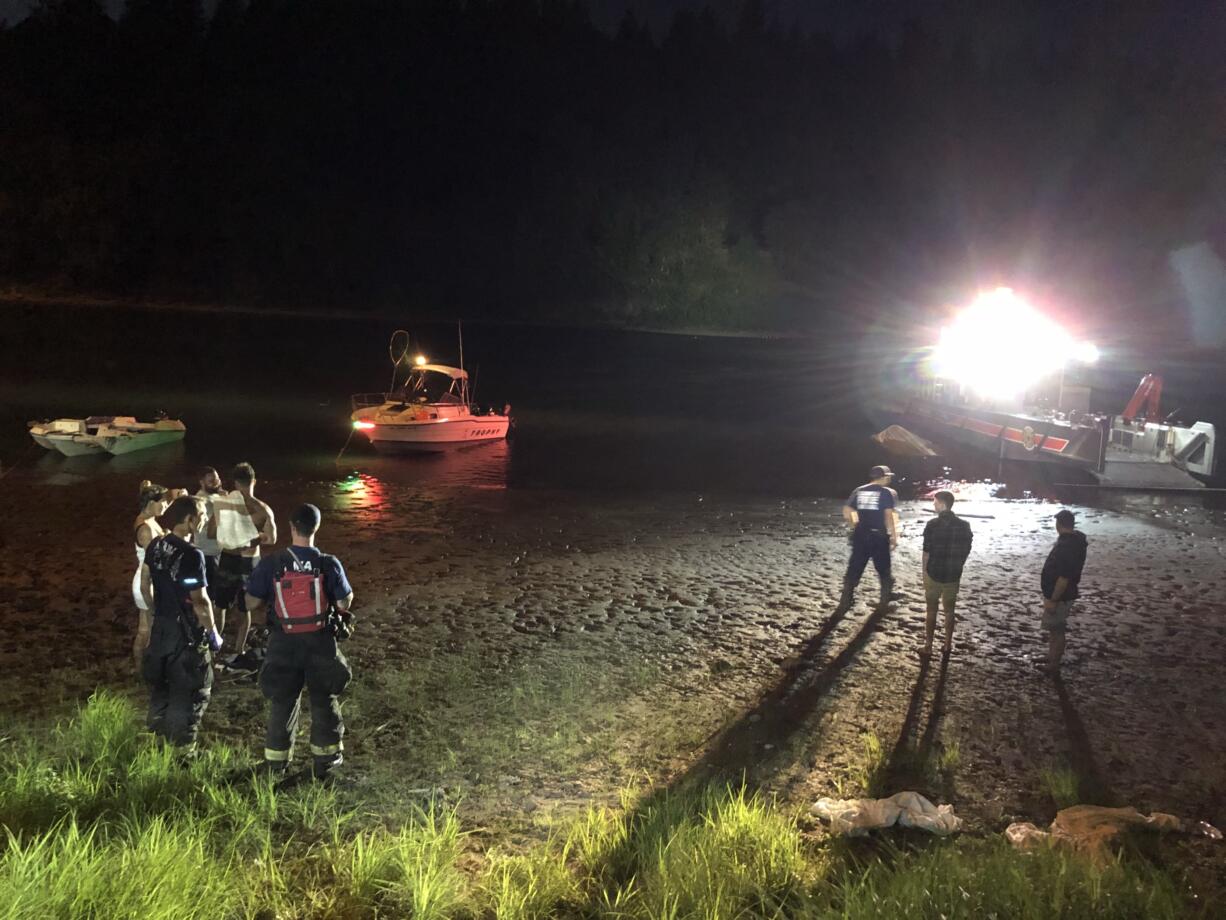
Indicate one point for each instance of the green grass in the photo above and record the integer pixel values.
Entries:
(985, 878)
(1062, 784)
(871, 774)
(101, 821)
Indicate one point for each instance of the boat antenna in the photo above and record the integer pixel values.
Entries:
(397, 358)
(459, 324)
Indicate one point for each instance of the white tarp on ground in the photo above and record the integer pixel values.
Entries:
(856, 817)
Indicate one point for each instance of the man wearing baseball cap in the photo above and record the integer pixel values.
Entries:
(1059, 582)
(871, 511)
(307, 597)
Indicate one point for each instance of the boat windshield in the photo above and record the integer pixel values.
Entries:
(429, 387)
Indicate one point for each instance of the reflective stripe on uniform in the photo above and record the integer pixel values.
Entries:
(325, 750)
(280, 601)
(277, 756)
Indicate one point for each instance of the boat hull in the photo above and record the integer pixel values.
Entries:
(130, 443)
(43, 441)
(81, 445)
(437, 435)
(1011, 436)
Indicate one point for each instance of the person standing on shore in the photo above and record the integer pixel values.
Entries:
(947, 543)
(234, 567)
(178, 663)
(871, 512)
(154, 501)
(1060, 581)
(206, 539)
(307, 598)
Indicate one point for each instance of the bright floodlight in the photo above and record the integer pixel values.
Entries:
(1086, 353)
(1001, 345)
(419, 360)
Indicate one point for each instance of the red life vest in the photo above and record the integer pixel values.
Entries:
(300, 603)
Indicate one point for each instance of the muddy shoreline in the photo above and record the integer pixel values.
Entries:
(652, 629)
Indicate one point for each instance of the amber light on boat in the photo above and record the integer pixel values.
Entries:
(363, 426)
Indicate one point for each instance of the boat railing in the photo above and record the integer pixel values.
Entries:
(366, 400)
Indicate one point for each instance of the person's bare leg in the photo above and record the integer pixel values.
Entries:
(950, 619)
(244, 627)
(1055, 649)
(930, 628)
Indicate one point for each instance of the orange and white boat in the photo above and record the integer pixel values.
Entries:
(430, 412)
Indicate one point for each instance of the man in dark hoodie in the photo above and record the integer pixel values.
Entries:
(1059, 581)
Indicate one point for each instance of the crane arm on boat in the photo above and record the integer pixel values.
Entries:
(1148, 397)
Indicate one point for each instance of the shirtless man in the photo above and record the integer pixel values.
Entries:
(235, 566)
(206, 538)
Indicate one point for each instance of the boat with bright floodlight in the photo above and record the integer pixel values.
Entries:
(430, 412)
(973, 392)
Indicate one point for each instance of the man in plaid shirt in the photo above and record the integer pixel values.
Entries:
(947, 543)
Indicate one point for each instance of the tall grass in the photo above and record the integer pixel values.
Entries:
(102, 822)
(985, 878)
(155, 869)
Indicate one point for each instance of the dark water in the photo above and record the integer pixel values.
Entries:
(595, 409)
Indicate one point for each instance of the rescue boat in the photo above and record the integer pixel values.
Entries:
(430, 412)
(1138, 448)
(996, 380)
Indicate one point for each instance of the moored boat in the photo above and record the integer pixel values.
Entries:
(140, 435)
(103, 434)
(431, 412)
(41, 432)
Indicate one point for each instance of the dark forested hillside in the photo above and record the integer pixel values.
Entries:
(507, 158)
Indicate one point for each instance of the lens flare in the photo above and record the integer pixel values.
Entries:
(1001, 345)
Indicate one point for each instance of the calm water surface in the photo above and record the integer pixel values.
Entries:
(596, 410)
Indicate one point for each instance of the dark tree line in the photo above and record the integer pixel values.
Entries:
(505, 157)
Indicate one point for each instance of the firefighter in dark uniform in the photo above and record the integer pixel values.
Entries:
(178, 663)
(871, 510)
(307, 599)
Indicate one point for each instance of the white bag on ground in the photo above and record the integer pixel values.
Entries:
(856, 817)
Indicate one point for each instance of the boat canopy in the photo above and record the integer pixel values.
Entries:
(453, 372)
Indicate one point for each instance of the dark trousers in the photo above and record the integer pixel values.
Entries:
(180, 679)
(865, 545)
(312, 660)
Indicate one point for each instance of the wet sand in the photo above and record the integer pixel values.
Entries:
(675, 617)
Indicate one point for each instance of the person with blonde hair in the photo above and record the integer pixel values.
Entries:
(154, 500)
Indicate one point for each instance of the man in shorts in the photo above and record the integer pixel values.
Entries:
(235, 566)
(1059, 581)
(947, 543)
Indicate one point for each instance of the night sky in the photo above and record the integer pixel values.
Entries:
(829, 15)
(1196, 27)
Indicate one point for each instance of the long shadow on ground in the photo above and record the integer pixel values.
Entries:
(739, 753)
(1092, 786)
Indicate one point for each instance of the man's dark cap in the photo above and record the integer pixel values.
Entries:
(878, 471)
(306, 518)
(1066, 517)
